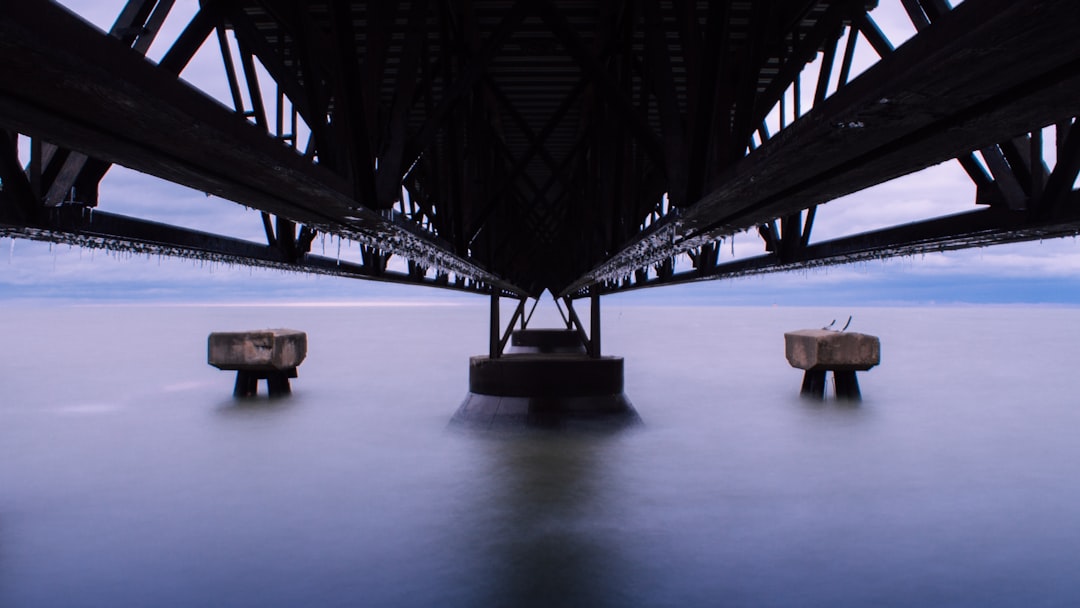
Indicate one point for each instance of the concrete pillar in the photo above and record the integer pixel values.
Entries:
(277, 382)
(247, 384)
(545, 389)
(813, 384)
(818, 351)
(268, 354)
(847, 385)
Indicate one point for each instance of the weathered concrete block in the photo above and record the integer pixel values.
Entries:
(826, 350)
(258, 350)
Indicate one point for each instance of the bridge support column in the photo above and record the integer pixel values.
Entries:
(817, 351)
(494, 342)
(813, 384)
(547, 378)
(265, 354)
(594, 321)
(277, 382)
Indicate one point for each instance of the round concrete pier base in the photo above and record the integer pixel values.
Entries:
(545, 390)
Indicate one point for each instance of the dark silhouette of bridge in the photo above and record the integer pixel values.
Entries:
(512, 147)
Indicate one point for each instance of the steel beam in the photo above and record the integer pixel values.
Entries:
(973, 229)
(973, 79)
(79, 226)
(61, 80)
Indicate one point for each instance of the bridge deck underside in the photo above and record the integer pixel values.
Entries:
(523, 146)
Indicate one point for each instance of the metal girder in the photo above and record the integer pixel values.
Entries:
(604, 83)
(393, 155)
(658, 59)
(1056, 195)
(83, 227)
(539, 137)
(972, 229)
(826, 28)
(62, 81)
(137, 26)
(351, 110)
(972, 79)
(519, 164)
(17, 199)
(702, 108)
(472, 75)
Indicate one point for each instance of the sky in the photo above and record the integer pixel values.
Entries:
(1035, 272)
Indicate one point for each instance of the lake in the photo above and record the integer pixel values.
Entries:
(130, 477)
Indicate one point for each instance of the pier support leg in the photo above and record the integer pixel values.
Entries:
(247, 383)
(813, 384)
(594, 321)
(847, 385)
(494, 349)
(267, 354)
(817, 351)
(277, 383)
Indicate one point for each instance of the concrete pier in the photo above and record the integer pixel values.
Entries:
(546, 380)
(265, 354)
(817, 351)
(546, 341)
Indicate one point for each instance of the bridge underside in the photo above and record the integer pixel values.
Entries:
(515, 147)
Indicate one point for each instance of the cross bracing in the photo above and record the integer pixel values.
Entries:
(532, 145)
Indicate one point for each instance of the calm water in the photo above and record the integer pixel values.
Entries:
(129, 477)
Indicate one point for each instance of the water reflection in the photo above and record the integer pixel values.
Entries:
(550, 539)
(258, 406)
(947, 485)
(832, 407)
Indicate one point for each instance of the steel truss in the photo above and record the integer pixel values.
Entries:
(512, 147)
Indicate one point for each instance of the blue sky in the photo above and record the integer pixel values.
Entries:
(1037, 272)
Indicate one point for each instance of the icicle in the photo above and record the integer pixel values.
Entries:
(11, 251)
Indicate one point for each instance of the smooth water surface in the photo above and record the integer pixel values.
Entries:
(130, 477)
